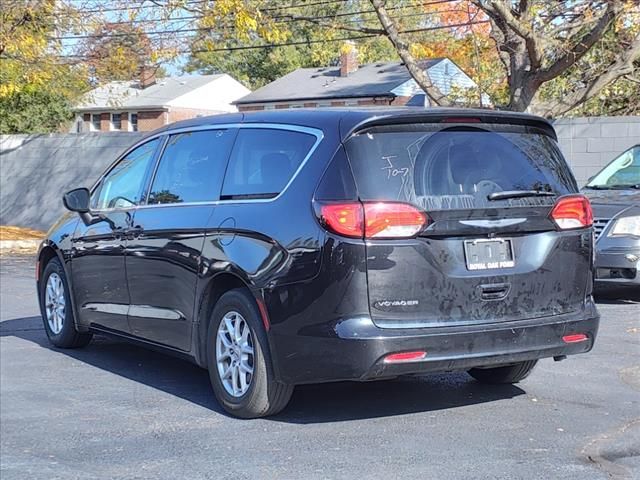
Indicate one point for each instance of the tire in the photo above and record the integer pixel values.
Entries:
(263, 396)
(61, 330)
(507, 374)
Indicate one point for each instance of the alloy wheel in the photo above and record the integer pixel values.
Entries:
(234, 354)
(55, 303)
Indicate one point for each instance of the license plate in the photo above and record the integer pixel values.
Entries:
(485, 254)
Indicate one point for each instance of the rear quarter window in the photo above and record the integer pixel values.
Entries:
(337, 182)
(456, 167)
(263, 161)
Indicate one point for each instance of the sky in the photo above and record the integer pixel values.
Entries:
(143, 12)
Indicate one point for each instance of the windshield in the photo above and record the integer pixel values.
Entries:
(623, 172)
(458, 167)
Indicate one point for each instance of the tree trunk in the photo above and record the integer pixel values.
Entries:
(419, 75)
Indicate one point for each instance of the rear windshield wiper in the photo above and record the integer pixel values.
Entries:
(519, 194)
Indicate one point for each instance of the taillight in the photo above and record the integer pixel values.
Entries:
(343, 218)
(572, 211)
(372, 219)
(392, 220)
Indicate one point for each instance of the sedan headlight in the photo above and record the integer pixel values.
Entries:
(626, 226)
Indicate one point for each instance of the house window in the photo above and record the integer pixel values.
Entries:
(116, 121)
(95, 122)
(133, 122)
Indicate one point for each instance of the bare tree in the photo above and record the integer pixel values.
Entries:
(538, 41)
(420, 75)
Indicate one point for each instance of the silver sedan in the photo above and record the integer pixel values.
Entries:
(615, 196)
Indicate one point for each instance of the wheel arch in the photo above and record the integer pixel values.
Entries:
(47, 252)
(215, 288)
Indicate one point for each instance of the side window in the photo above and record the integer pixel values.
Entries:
(192, 167)
(263, 161)
(121, 187)
(337, 182)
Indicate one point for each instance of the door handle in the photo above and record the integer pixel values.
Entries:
(494, 291)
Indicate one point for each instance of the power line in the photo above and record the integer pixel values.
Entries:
(249, 47)
(299, 42)
(186, 8)
(285, 19)
(186, 5)
(289, 7)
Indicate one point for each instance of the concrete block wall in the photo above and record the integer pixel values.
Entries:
(589, 143)
(35, 171)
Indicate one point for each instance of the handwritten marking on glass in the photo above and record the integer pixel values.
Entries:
(392, 171)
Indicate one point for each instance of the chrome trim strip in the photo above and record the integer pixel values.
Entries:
(113, 308)
(504, 222)
(183, 204)
(270, 126)
(139, 311)
(147, 311)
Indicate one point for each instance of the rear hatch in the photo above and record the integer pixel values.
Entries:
(503, 238)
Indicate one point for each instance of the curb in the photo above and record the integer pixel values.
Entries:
(22, 246)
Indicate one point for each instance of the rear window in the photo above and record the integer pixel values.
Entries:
(192, 167)
(456, 167)
(263, 161)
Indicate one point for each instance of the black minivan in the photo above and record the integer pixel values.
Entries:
(279, 248)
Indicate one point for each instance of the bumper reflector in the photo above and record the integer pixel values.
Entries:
(575, 338)
(405, 357)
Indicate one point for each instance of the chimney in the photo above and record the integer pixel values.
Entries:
(147, 76)
(348, 59)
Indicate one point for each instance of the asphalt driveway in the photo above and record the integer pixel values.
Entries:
(116, 411)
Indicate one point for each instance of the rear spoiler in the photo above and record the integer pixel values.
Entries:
(458, 117)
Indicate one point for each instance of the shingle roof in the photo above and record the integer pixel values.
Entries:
(370, 80)
(129, 94)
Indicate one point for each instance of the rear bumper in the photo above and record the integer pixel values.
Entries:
(356, 348)
(617, 267)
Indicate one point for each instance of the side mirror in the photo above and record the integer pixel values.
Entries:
(78, 200)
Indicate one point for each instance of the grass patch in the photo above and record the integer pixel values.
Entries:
(20, 233)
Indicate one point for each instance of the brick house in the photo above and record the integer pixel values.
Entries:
(149, 103)
(350, 84)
